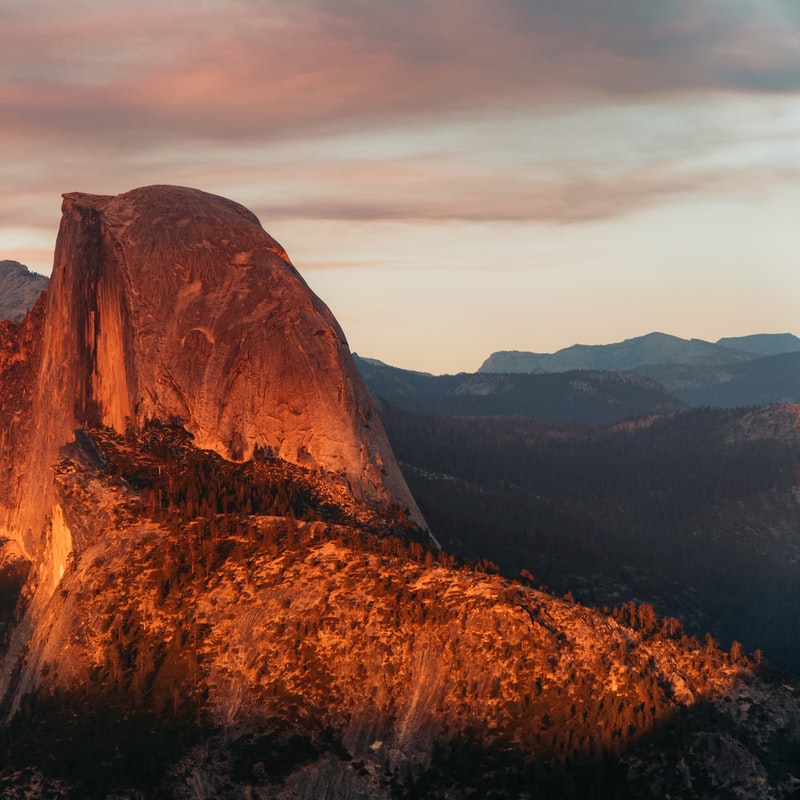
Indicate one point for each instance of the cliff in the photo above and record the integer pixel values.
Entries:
(171, 303)
(20, 359)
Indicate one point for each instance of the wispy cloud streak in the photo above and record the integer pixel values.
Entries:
(230, 70)
(548, 119)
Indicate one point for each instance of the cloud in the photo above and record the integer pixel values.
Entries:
(563, 167)
(349, 110)
(227, 71)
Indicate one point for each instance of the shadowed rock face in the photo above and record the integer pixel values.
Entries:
(19, 289)
(170, 302)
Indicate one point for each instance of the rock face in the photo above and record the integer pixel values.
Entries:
(19, 288)
(168, 302)
(20, 357)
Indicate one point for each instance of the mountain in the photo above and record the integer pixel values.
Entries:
(19, 289)
(654, 348)
(763, 380)
(214, 582)
(744, 370)
(598, 398)
(213, 644)
(763, 344)
(167, 302)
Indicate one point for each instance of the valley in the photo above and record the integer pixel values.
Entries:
(696, 512)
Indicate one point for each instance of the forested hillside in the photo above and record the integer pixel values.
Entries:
(205, 641)
(696, 512)
(600, 398)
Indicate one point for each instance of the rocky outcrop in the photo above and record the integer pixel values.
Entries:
(19, 289)
(168, 302)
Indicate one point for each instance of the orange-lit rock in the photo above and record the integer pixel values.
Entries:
(20, 357)
(357, 666)
(168, 302)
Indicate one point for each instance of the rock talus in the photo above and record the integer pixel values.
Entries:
(168, 302)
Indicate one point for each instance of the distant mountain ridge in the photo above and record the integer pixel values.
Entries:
(763, 344)
(759, 369)
(19, 288)
(762, 381)
(651, 349)
(591, 397)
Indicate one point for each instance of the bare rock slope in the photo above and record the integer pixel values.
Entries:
(168, 302)
(19, 288)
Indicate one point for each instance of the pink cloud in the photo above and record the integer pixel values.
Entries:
(105, 98)
(247, 70)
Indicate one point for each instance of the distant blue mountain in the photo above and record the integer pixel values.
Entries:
(763, 344)
(599, 398)
(654, 348)
(744, 370)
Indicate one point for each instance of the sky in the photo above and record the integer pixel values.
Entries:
(452, 177)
